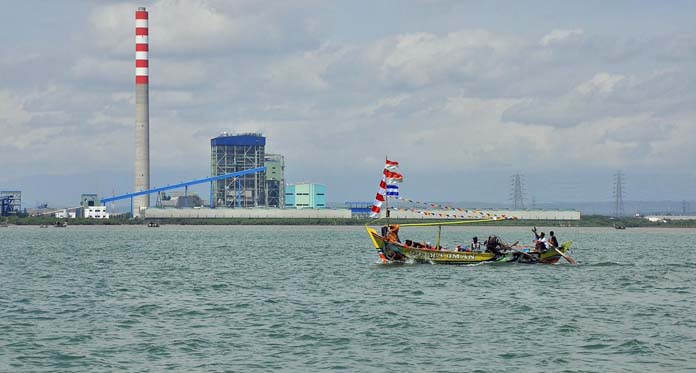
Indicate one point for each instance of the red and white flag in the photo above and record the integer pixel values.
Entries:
(393, 177)
(391, 165)
(389, 176)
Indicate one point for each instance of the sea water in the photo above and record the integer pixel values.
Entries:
(298, 298)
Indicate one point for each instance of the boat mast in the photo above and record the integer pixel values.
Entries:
(386, 195)
(439, 233)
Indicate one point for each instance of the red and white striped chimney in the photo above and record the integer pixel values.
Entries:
(141, 46)
(142, 112)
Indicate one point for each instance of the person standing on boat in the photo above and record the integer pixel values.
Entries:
(475, 244)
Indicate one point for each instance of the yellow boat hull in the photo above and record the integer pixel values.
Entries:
(390, 252)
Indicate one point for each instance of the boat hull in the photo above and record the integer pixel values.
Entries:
(395, 252)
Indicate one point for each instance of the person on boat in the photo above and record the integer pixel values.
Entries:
(541, 241)
(393, 235)
(552, 242)
(492, 245)
(475, 244)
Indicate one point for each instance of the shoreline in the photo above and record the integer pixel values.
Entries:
(585, 221)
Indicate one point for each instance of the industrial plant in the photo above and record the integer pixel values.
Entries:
(245, 180)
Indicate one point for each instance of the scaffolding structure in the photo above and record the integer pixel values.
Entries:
(10, 202)
(234, 153)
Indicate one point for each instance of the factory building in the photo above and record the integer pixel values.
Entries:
(275, 180)
(10, 202)
(65, 214)
(88, 200)
(305, 195)
(96, 212)
(179, 200)
(234, 153)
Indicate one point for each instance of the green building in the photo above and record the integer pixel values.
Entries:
(305, 195)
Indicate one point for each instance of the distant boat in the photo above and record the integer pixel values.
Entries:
(619, 226)
(61, 224)
(152, 224)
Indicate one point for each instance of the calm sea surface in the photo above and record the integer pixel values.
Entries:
(271, 298)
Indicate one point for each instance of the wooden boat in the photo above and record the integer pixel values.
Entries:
(391, 251)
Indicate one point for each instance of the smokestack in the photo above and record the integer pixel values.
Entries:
(142, 112)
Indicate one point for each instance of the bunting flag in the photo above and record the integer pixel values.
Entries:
(390, 176)
(456, 216)
(471, 213)
(393, 177)
(391, 165)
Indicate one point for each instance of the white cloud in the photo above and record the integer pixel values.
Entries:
(422, 58)
(12, 109)
(205, 27)
(561, 36)
(601, 83)
(304, 72)
(103, 69)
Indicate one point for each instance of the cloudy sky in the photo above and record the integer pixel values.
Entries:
(462, 93)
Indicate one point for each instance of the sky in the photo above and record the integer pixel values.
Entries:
(462, 93)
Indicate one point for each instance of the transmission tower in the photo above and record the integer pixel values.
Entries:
(619, 187)
(517, 194)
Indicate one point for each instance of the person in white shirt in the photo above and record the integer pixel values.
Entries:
(541, 242)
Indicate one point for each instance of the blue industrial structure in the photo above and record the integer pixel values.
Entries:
(10, 202)
(359, 208)
(185, 185)
(5, 205)
(234, 153)
(248, 139)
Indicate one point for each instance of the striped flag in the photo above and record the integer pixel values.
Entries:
(390, 176)
(393, 177)
(391, 165)
(392, 190)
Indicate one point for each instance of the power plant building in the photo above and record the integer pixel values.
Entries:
(10, 202)
(234, 153)
(275, 180)
(305, 195)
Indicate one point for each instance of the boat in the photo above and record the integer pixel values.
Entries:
(619, 226)
(391, 251)
(61, 224)
(153, 224)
